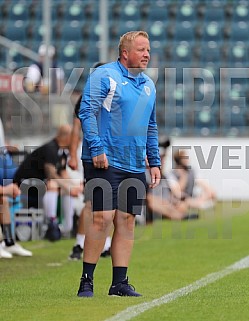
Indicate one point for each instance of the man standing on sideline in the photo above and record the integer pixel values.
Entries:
(118, 119)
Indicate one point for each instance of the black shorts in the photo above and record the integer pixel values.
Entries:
(112, 188)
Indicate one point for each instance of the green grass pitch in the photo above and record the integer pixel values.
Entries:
(167, 256)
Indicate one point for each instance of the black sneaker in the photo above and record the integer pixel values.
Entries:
(193, 216)
(123, 289)
(106, 253)
(53, 232)
(86, 287)
(76, 253)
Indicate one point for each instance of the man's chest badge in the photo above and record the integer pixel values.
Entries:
(147, 90)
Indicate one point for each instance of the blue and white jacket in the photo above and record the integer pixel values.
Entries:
(118, 118)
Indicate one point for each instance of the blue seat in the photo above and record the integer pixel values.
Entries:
(36, 31)
(234, 118)
(91, 9)
(16, 31)
(238, 55)
(178, 120)
(18, 11)
(186, 12)
(181, 54)
(240, 31)
(214, 11)
(240, 12)
(56, 11)
(130, 11)
(74, 11)
(213, 31)
(69, 52)
(71, 31)
(205, 121)
(118, 28)
(184, 31)
(158, 11)
(210, 54)
(158, 31)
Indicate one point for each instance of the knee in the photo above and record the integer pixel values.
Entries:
(102, 221)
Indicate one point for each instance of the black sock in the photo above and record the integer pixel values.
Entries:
(118, 274)
(7, 234)
(88, 268)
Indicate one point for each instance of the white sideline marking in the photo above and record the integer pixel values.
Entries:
(135, 310)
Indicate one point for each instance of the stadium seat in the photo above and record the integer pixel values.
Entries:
(184, 31)
(240, 31)
(91, 10)
(240, 12)
(120, 27)
(71, 31)
(73, 11)
(206, 121)
(181, 54)
(210, 54)
(213, 31)
(186, 12)
(158, 11)
(234, 120)
(158, 31)
(18, 11)
(130, 11)
(36, 30)
(16, 30)
(214, 11)
(238, 55)
(177, 120)
(69, 52)
(36, 11)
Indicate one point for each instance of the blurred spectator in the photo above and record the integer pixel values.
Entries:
(8, 247)
(160, 200)
(35, 74)
(46, 168)
(183, 183)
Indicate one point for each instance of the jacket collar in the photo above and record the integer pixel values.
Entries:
(139, 78)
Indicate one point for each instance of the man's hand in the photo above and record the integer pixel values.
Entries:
(11, 190)
(155, 175)
(100, 161)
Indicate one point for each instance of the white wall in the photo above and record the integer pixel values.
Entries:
(227, 160)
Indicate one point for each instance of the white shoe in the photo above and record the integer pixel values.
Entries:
(17, 249)
(4, 254)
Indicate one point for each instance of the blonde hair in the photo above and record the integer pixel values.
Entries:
(128, 37)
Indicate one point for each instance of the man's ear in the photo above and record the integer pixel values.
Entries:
(125, 54)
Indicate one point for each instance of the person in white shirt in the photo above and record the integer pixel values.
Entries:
(35, 74)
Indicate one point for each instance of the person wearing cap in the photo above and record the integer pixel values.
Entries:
(35, 74)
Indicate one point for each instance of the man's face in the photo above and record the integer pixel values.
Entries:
(138, 55)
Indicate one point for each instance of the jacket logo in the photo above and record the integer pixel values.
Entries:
(124, 83)
(147, 90)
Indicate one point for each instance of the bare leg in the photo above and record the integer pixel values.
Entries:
(123, 238)
(4, 211)
(97, 227)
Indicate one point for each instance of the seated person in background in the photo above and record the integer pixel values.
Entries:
(183, 182)
(160, 200)
(47, 165)
(8, 247)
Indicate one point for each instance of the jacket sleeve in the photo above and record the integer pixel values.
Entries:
(95, 91)
(152, 149)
